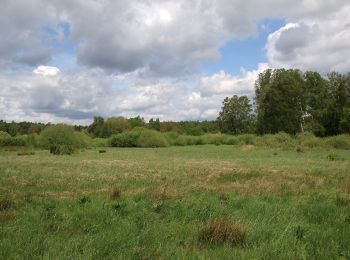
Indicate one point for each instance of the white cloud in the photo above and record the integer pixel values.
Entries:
(46, 70)
(313, 44)
(227, 84)
(140, 57)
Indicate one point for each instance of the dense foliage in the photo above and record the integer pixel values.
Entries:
(61, 139)
(293, 102)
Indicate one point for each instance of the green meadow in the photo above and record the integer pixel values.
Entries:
(188, 202)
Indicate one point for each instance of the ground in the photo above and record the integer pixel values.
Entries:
(155, 203)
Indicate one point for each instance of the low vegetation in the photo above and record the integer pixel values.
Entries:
(245, 201)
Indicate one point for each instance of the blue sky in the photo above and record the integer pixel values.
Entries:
(68, 61)
(244, 53)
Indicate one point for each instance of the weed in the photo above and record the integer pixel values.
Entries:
(222, 230)
(342, 201)
(334, 157)
(7, 216)
(5, 204)
(115, 194)
(299, 149)
(299, 233)
(162, 193)
(23, 153)
(102, 151)
(84, 200)
(157, 206)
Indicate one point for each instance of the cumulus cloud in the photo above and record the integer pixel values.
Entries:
(46, 70)
(22, 34)
(227, 84)
(312, 44)
(140, 57)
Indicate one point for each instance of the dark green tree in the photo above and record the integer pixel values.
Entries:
(236, 115)
(317, 101)
(95, 128)
(136, 122)
(154, 124)
(280, 101)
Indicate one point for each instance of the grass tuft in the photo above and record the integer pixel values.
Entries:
(222, 231)
(116, 193)
(5, 204)
(162, 194)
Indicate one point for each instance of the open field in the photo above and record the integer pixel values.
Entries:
(149, 203)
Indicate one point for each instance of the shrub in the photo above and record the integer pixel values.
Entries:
(222, 230)
(151, 138)
(4, 134)
(126, 139)
(339, 142)
(214, 139)
(60, 139)
(247, 139)
(183, 140)
(12, 141)
(171, 137)
(309, 140)
(232, 140)
(280, 140)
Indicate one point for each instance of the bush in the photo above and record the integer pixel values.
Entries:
(339, 142)
(126, 139)
(171, 137)
(98, 142)
(280, 140)
(61, 139)
(4, 134)
(184, 140)
(151, 138)
(12, 141)
(247, 139)
(308, 140)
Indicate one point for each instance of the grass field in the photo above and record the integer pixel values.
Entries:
(192, 202)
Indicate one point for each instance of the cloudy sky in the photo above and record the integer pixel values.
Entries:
(69, 60)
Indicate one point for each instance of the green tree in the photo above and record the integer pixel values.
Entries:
(136, 122)
(115, 125)
(60, 139)
(96, 127)
(154, 124)
(317, 101)
(280, 101)
(338, 92)
(236, 115)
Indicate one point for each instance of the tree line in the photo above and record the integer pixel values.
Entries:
(291, 101)
(285, 101)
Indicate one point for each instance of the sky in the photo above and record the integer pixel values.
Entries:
(70, 60)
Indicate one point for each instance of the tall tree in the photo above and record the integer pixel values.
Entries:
(96, 127)
(236, 115)
(280, 101)
(317, 101)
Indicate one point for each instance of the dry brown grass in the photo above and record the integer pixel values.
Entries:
(222, 230)
(7, 216)
(115, 193)
(5, 204)
(163, 193)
